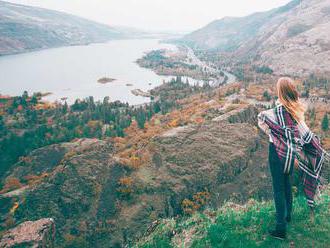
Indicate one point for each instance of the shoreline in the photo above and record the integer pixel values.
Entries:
(27, 51)
(66, 97)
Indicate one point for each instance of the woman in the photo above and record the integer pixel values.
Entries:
(291, 142)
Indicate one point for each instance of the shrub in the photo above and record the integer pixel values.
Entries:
(200, 199)
(125, 187)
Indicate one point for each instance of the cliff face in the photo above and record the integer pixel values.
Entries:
(79, 187)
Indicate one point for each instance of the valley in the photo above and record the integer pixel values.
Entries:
(183, 62)
(193, 148)
(149, 144)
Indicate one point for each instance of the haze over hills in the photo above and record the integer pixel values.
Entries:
(24, 28)
(292, 39)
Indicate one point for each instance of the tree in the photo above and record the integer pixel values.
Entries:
(325, 122)
(141, 118)
(267, 96)
(312, 117)
(65, 108)
(34, 100)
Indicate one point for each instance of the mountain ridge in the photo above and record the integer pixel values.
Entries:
(291, 40)
(25, 28)
(237, 22)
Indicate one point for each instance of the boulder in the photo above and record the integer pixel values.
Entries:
(36, 234)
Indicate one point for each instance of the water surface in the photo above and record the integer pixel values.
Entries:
(73, 71)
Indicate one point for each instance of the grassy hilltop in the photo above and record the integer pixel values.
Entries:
(243, 226)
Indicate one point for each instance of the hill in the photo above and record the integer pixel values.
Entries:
(292, 39)
(106, 191)
(104, 171)
(242, 226)
(25, 28)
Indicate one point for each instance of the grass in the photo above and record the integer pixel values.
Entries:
(246, 226)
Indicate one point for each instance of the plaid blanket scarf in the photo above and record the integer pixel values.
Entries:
(291, 143)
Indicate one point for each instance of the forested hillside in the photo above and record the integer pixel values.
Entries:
(26, 28)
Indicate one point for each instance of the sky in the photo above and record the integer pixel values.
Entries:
(161, 15)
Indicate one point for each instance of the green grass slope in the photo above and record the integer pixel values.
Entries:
(244, 226)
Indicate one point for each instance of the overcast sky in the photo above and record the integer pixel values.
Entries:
(180, 15)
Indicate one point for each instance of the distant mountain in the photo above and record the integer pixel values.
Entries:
(293, 39)
(24, 28)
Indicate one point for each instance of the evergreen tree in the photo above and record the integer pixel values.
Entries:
(325, 122)
(141, 118)
(65, 108)
(2, 124)
(312, 117)
(34, 100)
(267, 96)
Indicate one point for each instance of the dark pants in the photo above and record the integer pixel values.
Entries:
(282, 189)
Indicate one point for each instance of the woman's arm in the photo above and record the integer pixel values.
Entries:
(261, 121)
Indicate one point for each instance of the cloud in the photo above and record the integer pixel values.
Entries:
(157, 14)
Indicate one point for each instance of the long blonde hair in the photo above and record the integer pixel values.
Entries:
(289, 97)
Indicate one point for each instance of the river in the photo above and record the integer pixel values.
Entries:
(72, 72)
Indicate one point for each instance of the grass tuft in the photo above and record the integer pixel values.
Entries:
(245, 226)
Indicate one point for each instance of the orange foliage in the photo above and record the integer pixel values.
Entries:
(69, 154)
(25, 159)
(326, 143)
(93, 124)
(227, 89)
(200, 199)
(46, 105)
(174, 123)
(11, 183)
(125, 186)
(256, 91)
(134, 149)
(14, 208)
(34, 179)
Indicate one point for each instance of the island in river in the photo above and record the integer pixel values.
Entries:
(105, 80)
(139, 92)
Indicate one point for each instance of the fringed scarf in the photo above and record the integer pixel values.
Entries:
(290, 146)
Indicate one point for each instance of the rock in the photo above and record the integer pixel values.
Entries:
(105, 80)
(240, 115)
(36, 234)
(225, 157)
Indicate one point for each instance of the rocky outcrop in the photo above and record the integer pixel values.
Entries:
(240, 115)
(36, 234)
(225, 157)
